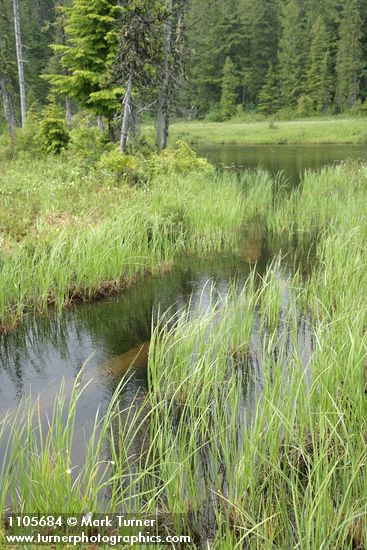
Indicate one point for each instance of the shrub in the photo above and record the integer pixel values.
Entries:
(359, 108)
(137, 169)
(286, 113)
(87, 141)
(28, 140)
(305, 106)
(120, 166)
(178, 160)
(6, 146)
(139, 145)
(215, 115)
(272, 125)
(240, 111)
(53, 132)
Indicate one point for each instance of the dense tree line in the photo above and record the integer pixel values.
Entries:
(283, 54)
(117, 58)
(109, 57)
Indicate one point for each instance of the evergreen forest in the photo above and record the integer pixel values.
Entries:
(224, 56)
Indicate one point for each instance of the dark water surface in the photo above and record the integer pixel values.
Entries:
(109, 334)
(293, 160)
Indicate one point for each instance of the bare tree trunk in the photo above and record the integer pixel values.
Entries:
(8, 105)
(100, 124)
(164, 96)
(68, 111)
(126, 113)
(20, 61)
(111, 131)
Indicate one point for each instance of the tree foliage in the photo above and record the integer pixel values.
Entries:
(283, 51)
(229, 93)
(53, 132)
(319, 77)
(350, 63)
(269, 94)
(88, 56)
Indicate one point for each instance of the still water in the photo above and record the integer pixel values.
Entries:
(293, 160)
(108, 335)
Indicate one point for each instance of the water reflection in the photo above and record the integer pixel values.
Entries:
(108, 334)
(293, 160)
(41, 352)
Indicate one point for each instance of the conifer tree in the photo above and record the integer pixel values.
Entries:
(7, 100)
(172, 63)
(263, 21)
(269, 94)
(139, 54)
(88, 56)
(59, 37)
(20, 60)
(37, 19)
(53, 131)
(204, 66)
(6, 70)
(229, 89)
(317, 48)
(350, 64)
(319, 76)
(216, 31)
(292, 52)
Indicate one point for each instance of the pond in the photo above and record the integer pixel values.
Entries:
(110, 334)
(293, 160)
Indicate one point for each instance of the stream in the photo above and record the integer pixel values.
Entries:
(108, 335)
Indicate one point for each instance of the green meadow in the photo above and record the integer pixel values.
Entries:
(69, 234)
(268, 131)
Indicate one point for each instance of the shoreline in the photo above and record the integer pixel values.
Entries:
(329, 131)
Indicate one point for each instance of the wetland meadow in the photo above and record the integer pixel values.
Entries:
(183, 274)
(190, 344)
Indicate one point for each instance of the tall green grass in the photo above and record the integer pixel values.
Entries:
(237, 132)
(253, 430)
(68, 235)
(241, 441)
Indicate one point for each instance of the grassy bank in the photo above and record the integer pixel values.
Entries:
(69, 235)
(249, 437)
(324, 130)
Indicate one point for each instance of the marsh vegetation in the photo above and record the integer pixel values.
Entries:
(255, 409)
(181, 339)
(257, 129)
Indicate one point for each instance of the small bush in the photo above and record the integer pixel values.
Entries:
(139, 145)
(240, 111)
(28, 140)
(272, 125)
(137, 169)
(87, 141)
(178, 160)
(53, 132)
(359, 108)
(6, 146)
(284, 114)
(215, 115)
(129, 167)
